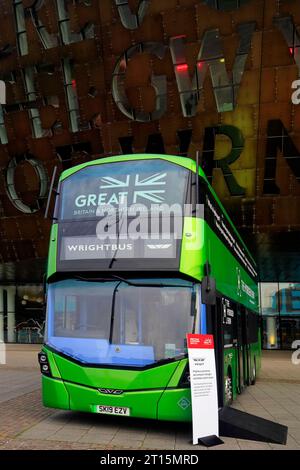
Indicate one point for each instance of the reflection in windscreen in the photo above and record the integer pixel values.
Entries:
(147, 324)
(84, 312)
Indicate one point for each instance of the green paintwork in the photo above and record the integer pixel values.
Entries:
(175, 378)
(52, 255)
(154, 387)
(193, 256)
(53, 367)
(169, 408)
(142, 404)
(201, 244)
(151, 404)
(153, 392)
(55, 394)
(156, 377)
(231, 223)
(224, 268)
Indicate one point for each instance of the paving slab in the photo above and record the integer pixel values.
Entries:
(26, 424)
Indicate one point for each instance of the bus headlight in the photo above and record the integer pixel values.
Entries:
(44, 364)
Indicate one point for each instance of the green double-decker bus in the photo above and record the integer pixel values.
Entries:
(141, 253)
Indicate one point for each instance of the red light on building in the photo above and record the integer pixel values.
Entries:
(291, 49)
(182, 67)
(74, 83)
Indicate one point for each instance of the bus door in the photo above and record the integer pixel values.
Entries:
(242, 348)
(214, 324)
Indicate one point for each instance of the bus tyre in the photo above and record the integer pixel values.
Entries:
(228, 389)
(253, 379)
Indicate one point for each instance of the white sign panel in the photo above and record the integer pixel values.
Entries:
(203, 386)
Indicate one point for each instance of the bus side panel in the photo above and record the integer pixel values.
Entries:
(175, 405)
(55, 394)
(192, 257)
(52, 255)
(231, 279)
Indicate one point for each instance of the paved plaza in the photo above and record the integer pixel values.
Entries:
(26, 424)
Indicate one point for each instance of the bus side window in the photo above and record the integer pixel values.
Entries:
(252, 326)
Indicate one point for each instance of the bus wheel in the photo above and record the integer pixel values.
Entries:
(228, 389)
(253, 379)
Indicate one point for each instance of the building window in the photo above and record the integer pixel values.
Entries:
(271, 333)
(270, 312)
(269, 298)
(280, 308)
(30, 319)
(290, 331)
(289, 298)
(289, 305)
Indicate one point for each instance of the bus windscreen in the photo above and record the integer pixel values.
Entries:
(116, 323)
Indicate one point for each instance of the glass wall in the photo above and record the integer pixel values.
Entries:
(22, 317)
(280, 308)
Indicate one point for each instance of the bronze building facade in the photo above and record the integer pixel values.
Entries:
(92, 78)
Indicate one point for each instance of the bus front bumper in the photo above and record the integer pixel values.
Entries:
(172, 404)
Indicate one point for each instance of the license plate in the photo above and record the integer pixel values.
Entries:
(113, 410)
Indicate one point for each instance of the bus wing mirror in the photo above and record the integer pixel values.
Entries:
(208, 291)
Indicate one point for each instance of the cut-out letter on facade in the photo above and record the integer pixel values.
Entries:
(210, 57)
(158, 82)
(278, 140)
(208, 162)
(47, 40)
(10, 183)
(129, 19)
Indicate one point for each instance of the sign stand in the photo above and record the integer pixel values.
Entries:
(210, 441)
(203, 377)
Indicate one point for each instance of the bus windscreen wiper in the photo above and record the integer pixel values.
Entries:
(134, 284)
(92, 279)
(113, 259)
(144, 284)
(115, 277)
(111, 277)
(112, 315)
